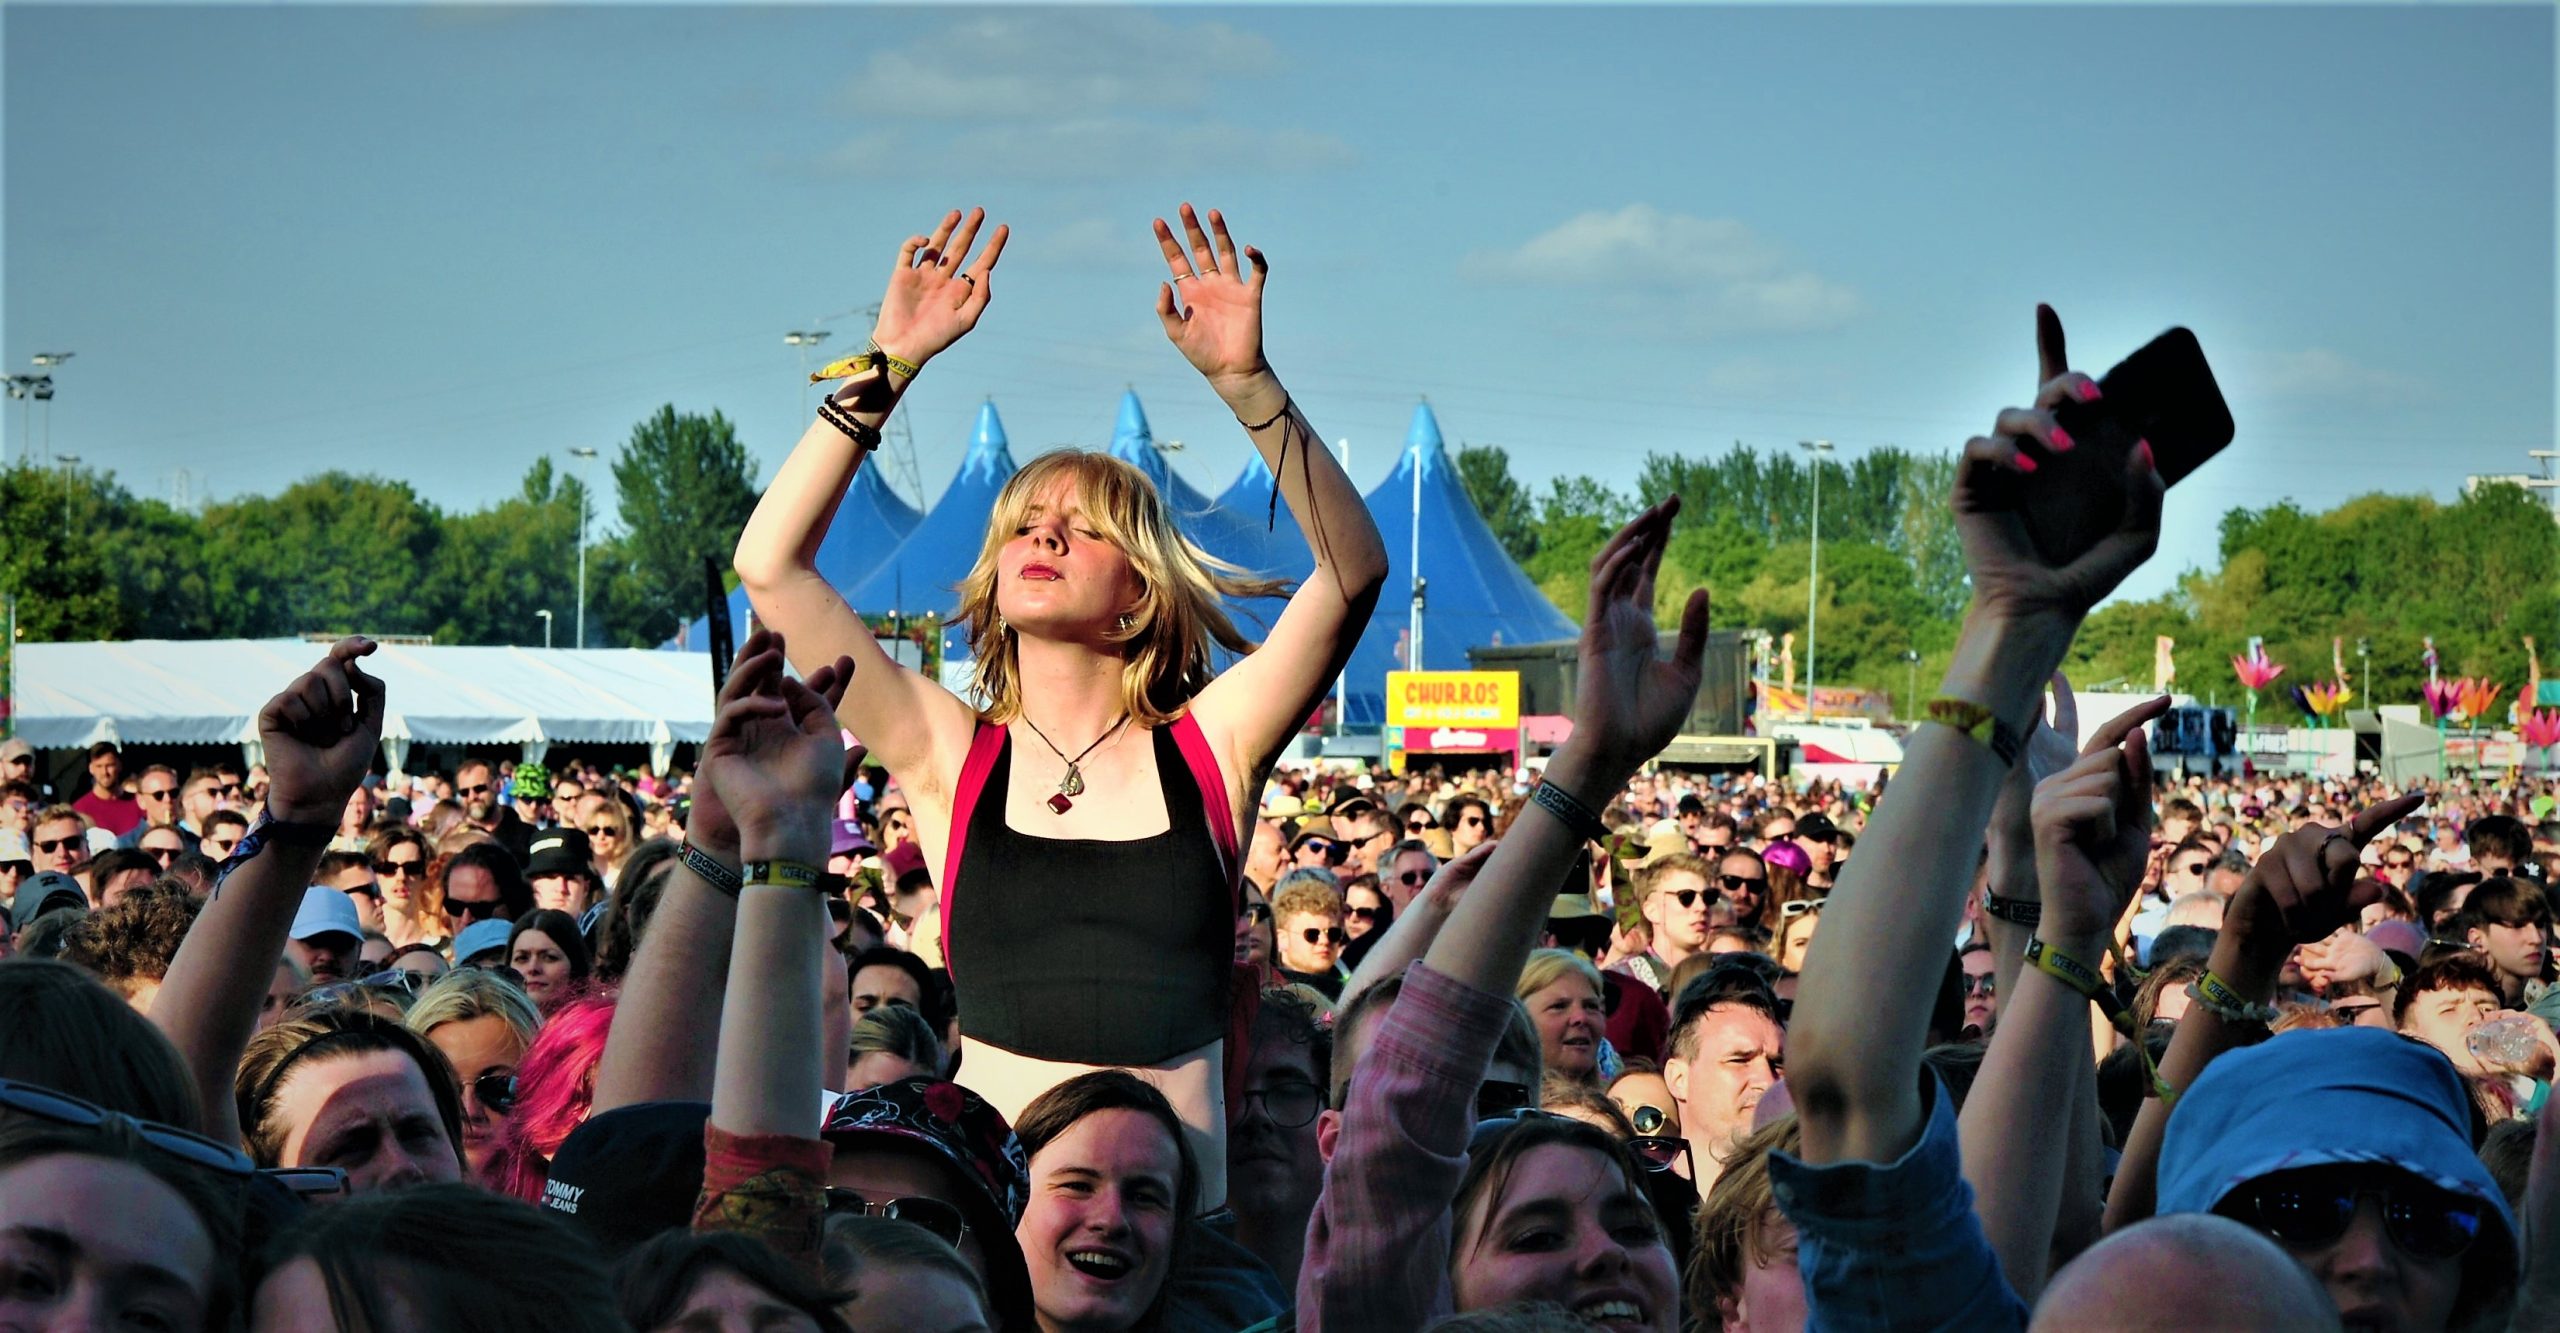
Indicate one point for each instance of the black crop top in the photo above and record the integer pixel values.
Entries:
(1090, 951)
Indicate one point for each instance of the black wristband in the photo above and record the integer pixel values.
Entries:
(709, 868)
(2026, 912)
(1565, 806)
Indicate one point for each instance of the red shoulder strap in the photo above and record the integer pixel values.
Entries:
(1202, 760)
(983, 748)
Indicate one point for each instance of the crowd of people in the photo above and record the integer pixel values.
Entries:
(1071, 1006)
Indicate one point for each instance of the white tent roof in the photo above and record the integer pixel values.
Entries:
(208, 692)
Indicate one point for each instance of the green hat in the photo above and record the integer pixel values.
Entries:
(532, 783)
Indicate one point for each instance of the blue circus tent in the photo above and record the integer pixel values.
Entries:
(925, 573)
(869, 524)
(1230, 534)
(1476, 596)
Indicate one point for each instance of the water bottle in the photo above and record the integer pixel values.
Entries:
(2505, 1042)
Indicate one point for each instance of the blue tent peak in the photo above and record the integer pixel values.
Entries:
(1131, 437)
(1257, 476)
(989, 454)
(1422, 439)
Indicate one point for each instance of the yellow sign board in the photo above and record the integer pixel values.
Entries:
(1488, 700)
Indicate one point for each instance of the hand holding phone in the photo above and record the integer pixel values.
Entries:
(2165, 394)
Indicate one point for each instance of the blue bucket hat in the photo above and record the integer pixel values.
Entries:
(2323, 1097)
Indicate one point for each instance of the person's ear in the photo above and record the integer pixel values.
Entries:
(1675, 1076)
(1730, 1315)
(1328, 1133)
(2478, 937)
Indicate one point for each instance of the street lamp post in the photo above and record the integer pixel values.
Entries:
(804, 339)
(585, 502)
(1813, 575)
(68, 462)
(546, 626)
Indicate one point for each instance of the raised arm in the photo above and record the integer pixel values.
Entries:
(1414, 928)
(932, 301)
(1250, 712)
(2092, 830)
(1861, 1016)
(776, 758)
(2306, 886)
(1628, 704)
(319, 735)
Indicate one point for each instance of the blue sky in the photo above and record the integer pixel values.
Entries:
(432, 244)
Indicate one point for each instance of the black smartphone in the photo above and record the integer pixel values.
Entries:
(723, 645)
(2164, 393)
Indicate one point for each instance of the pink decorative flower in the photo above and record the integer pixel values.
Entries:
(2257, 670)
(2442, 696)
(2542, 727)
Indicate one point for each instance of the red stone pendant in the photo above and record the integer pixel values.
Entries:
(1060, 804)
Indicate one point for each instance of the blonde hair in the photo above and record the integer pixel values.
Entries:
(1546, 967)
(470, 992)
(1167, 639)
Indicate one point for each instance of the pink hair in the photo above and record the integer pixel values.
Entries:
(555, 1089)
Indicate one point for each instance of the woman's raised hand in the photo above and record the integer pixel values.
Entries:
(932, 299)
(1218, 320)
(320, 735)
(1995, 486)
(1630, 701)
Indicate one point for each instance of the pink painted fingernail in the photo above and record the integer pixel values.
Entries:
(2061, 440)
(2025, 464)
(2089, 392)
(2142, 450)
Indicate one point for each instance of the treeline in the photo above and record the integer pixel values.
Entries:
(2388, 572)
(337, 553)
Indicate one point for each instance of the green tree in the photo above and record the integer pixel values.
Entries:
(500, 566)
(332, 554)
(57, 539)
(1503, 503)
(686, 486)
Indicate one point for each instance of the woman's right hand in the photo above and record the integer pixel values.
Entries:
(932, 302)
(1630, 702)
(1995, 487)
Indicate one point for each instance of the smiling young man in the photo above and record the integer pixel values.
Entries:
(1677, 896)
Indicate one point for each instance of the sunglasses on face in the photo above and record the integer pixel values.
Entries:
(1327, 935)
(1659, 1152)
(942, 1219)
(227, 789)
(163, 855)
(1985, 984)
(1415, 877)
(1288, 1105)
(1687, 898)
(1418, 824)
(1472, 821)
(1797, 909)
(1361, 913)
(395, 869)
(2195, 869)
(2306, 1210)
(161, 795)
(57, 844)
(1257, 913)
(1743, 883)
(482, 789)
(496, 1091)
(467, 907)
(603, 831)
(63, 1109)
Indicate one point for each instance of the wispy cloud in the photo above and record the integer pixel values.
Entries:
(1725, 277)
(1101, 148)
(1049, 62)
(2320, 372)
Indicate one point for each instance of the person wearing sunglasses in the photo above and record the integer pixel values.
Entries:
(1981, 989)
(483, 1024)
(107, 1221)
(1797, 922)
(1469, 821)
(482, 882)
(1306, 912)
(1403, 871)
(1254, 933)
(1315, 848)
(1673, 892)
(1408, 1229)
(1742, 888)
(1366, 914)
(59, 839)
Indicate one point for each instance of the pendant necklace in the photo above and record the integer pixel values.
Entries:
(1072, 785)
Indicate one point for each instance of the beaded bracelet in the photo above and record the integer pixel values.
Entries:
(865, 437)
(2219, 1000)
(710, 869)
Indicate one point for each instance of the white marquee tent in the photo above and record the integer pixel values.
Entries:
(167, 692)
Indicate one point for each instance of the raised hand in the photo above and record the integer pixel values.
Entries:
(1630, 701)
(775, 758)
(1449, 883)
(2306, 886)
(2343, 957)
(1995, 485)
(320, 735)
(1217, 323)
(2050, 748)
(933, 301)
(2093, 830)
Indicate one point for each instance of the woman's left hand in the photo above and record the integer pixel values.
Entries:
(775, 756)
(2093, 827)
(1218, 322)
(1630, 702)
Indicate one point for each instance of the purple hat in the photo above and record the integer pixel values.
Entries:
(1786, 854)
(851, 841)
(2398, 936)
